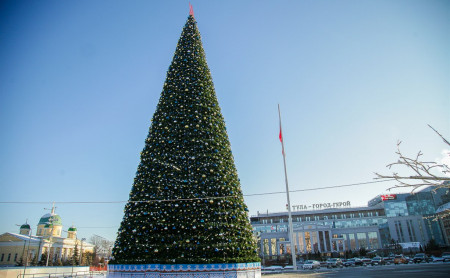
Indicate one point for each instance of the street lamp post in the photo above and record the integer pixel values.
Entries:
(81, 250)
(28, 250)
(50, 220)
(73, 257)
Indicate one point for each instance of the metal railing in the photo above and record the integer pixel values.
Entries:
(209, 274)
(63, 274)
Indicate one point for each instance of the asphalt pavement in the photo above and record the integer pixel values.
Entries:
(432, 270)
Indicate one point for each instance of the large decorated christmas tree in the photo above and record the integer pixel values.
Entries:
(186, 203)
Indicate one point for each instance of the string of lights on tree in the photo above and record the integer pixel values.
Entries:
(186, 204)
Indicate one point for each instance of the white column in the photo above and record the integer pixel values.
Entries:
(356, 241)
(331, 243)
(270, 246)
(367, 241)
(39, 253)
(325, 241)
(379, 239)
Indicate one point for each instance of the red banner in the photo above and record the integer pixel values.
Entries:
(388, 197)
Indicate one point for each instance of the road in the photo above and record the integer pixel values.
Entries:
(433, 270)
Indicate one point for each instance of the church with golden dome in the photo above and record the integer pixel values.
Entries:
(46, 247)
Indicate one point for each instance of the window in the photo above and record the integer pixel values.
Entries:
(373, 240)
(352, 241)
(282, 228)
(266, 246)
(9, 257)
(411, 233)
(399, 230)
(300, 242)
(362, 240)
(273, 246)
(3, 256)
(15, 257)
(421, 230)
(308, 241)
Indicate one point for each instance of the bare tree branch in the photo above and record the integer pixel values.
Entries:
(447, 142)
(425, 173)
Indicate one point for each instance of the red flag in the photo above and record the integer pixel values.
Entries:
(281, 140)
(191, 10)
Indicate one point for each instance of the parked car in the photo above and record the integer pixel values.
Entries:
(446, 256)
(421, 257)
(366, 261)
(400, 259)
(311, 264)
(358, 262)
(353, 262)
(378, 261)
(349, 262)
(334, 262)
(274, 268)
(388, 260)
(436, 259)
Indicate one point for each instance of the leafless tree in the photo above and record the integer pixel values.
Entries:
(102, 246)
(424, 173)
(107, 246)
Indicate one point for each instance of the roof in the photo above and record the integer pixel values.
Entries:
(25, 226)
(443, 208)
(45, 219)
(24, 237)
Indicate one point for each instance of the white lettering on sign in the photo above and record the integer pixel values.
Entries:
(322, 206)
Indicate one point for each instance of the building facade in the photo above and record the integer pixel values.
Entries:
(405, 219)
(24, 248)
(443, 213)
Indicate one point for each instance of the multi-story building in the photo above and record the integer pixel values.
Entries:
(443, 213)
(405, 219)
(23, 248)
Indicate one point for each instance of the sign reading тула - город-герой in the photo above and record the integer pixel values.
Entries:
(321, 206)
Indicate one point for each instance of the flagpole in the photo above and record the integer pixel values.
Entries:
(291, 229)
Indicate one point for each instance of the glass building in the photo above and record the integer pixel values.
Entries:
(334, 228)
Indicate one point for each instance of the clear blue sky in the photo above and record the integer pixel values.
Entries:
(80, 80)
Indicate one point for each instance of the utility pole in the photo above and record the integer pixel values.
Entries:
(50, 221)
(81, 251)
(28, 250)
